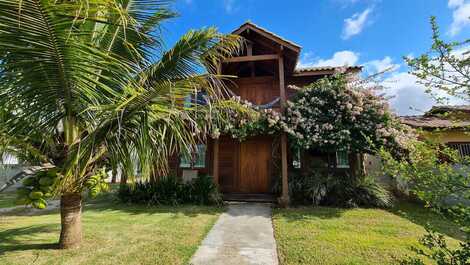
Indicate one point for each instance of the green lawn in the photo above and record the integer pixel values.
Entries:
(7, 199)
(113, 234)
(353, 236)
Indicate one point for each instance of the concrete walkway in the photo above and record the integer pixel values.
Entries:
(242, 235)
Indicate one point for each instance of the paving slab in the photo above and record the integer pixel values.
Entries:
(243, 236)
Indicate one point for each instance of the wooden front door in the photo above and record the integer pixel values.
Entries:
(245, 167)
(228, 164)
(255, 160)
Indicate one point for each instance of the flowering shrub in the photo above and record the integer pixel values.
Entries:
(241, 119)
(334, 114)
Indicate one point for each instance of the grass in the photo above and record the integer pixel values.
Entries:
(7, 199)
(113, 234)
(353, 236)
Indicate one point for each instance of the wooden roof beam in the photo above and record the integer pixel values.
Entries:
(252, 58)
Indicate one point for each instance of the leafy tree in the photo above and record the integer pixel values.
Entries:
(86, 83)
(445, 67)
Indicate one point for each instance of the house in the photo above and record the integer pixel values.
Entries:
(250, 169)
(449, 125)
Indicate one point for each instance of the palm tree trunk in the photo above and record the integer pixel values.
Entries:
(113, 178)
(70, 217)
(123, 179)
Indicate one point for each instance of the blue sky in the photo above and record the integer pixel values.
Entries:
(373, 33)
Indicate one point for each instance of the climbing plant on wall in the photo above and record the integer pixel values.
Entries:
(243, 119)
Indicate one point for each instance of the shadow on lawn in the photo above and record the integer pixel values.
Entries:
(304, 213)
(20, 239)
(421, 216)
(110, 202)
(9, 238)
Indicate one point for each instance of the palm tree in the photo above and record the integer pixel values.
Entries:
(87, 80)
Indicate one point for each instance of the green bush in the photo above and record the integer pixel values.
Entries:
(170, 191)
(322, 188)
(362, 191)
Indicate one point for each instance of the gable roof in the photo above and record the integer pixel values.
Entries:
(433, 122)
(268, 34)
(293, 50)
(437, 118)
(448, 108)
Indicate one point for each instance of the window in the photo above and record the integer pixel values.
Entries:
(200, 159)
(197, 160)
(185, 160)
(296, 161)
(462, 148)
(342, 159)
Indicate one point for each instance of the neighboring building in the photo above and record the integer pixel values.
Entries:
(9, 167)
(267, 66)
(449, 125)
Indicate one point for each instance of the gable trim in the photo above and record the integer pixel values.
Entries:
(269, 35)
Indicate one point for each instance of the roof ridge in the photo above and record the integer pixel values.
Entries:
(248, 22)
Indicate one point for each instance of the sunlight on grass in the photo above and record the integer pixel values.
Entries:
(353, 236)
(113, 234)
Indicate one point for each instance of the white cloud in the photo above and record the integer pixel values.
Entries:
(408, 97)
(455, 3)
(460, 16)
(229, 6)
(378, 66)
(340, 58)
(355, 24)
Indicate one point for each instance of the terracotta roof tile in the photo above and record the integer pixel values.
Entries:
(449, 108)
(433, 122)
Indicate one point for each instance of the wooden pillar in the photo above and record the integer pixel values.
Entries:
(215, 144)
(284, 200)
(215, 161)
